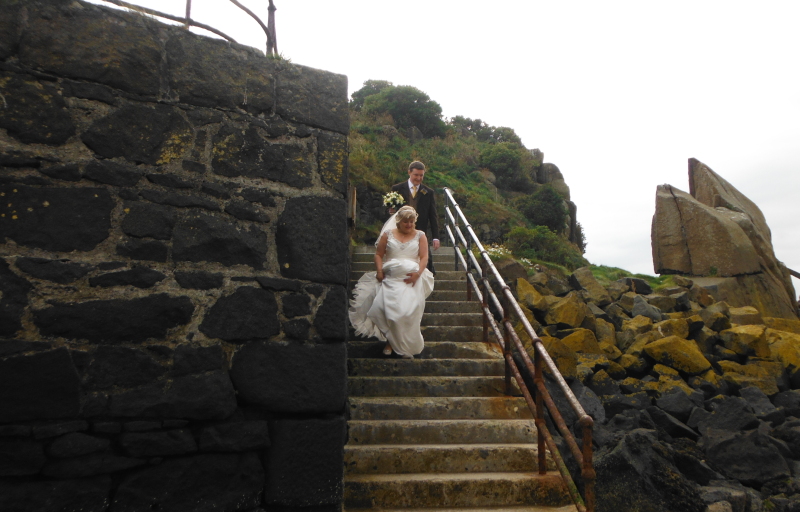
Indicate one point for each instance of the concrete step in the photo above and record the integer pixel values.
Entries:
(441, 275)
(444, 458)
(441, 431)
(521, 508)
(429, 386)
(448, 408)
(452, 333)
(432, 350)
(454, 490)
(432, 306)
(448, 295)
(452, 319)
(397, 367)
(438, 256)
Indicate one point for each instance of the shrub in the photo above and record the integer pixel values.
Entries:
(409, 107)
(539, 243)
(545, 207)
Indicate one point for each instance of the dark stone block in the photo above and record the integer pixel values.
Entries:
(194, 359)
(142, 426)
(216, 190)
(731, 414)
(107, 427)
(235, 437)
(312, 240)
(152, 134)
(88, 91)
(139, 277)
(10, 29)
(296, 304)
(13, 299)
(94, 405)
(602, 384)
(85, 495)
(68, 43)
(671, 425)
(175, 423)
(33, 111)
(638, 285)
(20, 457)
(49, 430)
(158, 444)
(243, 279)
(180, 200)
(192, 166)
(297, 329)
(209, 73)
(112, 173)
(315, 289)
(89, 465)
(115, 320)
(67, 172)
(121, 366)
(146, 250)
(331, 320)
(149, 220)
(293, 377)
(43, 385)
(19, 160)
(245, 211)
(169, 180)
(58, 271)
(203, 117)
(11, 347)
(128, 194)
(202, 237)
(616, 404)
(749, 457)
(332, 160)
(676, 403)
(111, 265)
(76, 444)
(246, 153)
(255, 195)
(248, 313)
(313, 97)
(58, 220)
(279, 285)
(202, 483)
(197, 397)
(306, 462)
(15, 430)
(199, 280)
(790, 401)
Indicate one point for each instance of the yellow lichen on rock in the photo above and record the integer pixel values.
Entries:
(529, 296)
(678, 353)
(741, 376)
(783, 324)
(583, 340)
(674, 327)
(746, 340)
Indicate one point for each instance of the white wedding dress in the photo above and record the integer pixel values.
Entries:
(391, 310)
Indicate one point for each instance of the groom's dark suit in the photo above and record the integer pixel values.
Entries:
(425, 204)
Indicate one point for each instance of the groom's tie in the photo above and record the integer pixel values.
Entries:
(414, 191)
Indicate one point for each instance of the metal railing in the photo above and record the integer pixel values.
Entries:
(541, 397)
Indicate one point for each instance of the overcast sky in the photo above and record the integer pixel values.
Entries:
(618, 94)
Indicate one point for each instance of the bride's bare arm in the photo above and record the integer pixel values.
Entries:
(423, 261)
(379, 252)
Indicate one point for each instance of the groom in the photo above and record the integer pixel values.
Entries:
(421, 197)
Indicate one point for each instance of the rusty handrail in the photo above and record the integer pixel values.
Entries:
(541, 396)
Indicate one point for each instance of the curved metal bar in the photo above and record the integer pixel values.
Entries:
(270, 42)
(164, 15)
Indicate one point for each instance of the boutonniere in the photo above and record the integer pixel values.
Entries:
(423, 191)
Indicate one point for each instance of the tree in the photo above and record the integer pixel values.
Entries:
(409, 107)
(505, 160)
(545, 207)
(370, 87)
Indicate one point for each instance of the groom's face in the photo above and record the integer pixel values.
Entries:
(416, 175)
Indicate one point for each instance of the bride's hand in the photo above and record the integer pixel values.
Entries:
(412, 278)
(379, 275)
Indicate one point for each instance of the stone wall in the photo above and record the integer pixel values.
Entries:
(173, 264)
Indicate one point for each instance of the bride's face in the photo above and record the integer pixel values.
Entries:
(406, 226)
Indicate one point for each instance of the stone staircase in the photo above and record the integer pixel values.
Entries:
(437, 432)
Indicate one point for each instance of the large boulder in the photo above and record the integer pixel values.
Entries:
(717, 232)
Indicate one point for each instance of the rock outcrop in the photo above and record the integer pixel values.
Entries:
(715, 232)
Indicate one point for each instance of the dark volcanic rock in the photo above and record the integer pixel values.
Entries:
(331, 320)
(789, 433)
(676, 403)
(120, 320)
(255, 195)
(55, 429)
(150, 134)
(297, 329)
(201, 483)
(305, 466)
(85, 495)
(193, 359)
(11, 347)
(147, 250)
(149, 220)
(76, 444)
(169, 180)
(638, 474)
(13, 300)
(332, 160)
(158, 444)
(112, 173)
(248, 313)
(58, 271)
(294, 378)
(246, 153)
(199, 280)
(121, 366)
(20, 457)
(296, 304)
(749, 457)
(312, 97)
(641, 307)
(639, 286)
(202, 237)
(732, 414)
(88, 91)
(671, 425)
(281, 285)
(33, 111)
(140, 277)
(200, 397)
(246, 211)
(89, 465)
(55, 219)
(312, 240)
(235, 437)
(179, 199)
(43, 385)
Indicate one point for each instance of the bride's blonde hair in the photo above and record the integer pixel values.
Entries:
(405, 213)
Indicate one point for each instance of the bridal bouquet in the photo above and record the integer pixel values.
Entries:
(393, 200)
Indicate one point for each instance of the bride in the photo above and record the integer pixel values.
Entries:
(388, 303)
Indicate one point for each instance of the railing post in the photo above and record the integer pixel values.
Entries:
(507, 343)
(538, 399)
(485, 301)
(587, 471)
(469, 269)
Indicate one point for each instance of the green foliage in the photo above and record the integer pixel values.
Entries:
(370, 87)
(580, 237)
(483, 131)
(539, 243)
(545, 207)
(505, 160)
(409, 107)
(606, 275)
